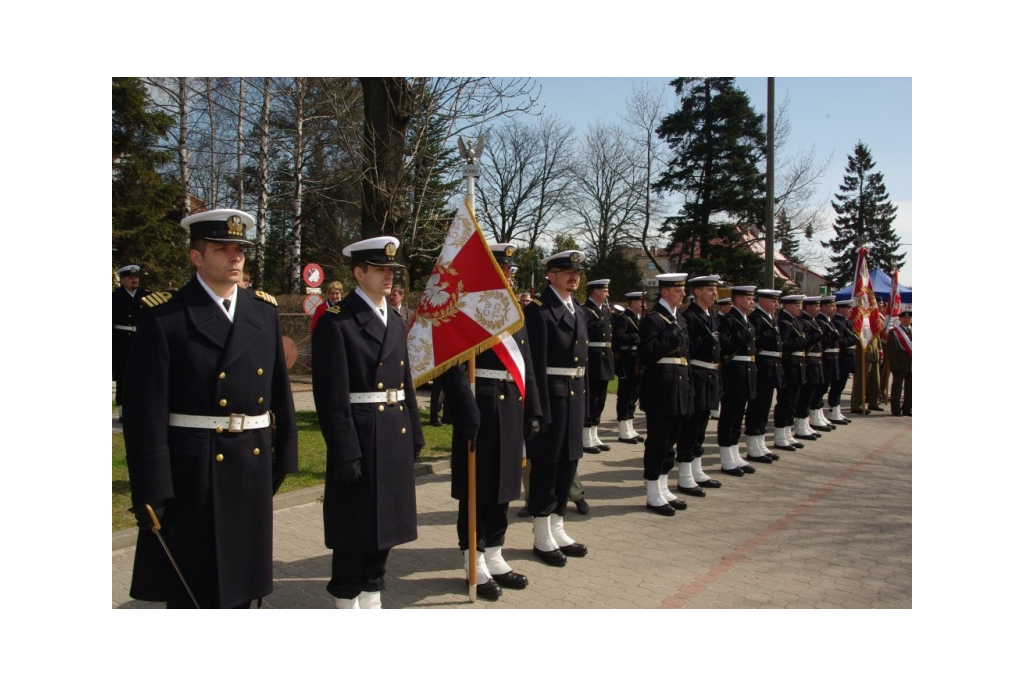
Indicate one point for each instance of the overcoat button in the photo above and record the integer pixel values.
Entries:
(220, 457)
(256, 452)
(380, 408)
(223, 403)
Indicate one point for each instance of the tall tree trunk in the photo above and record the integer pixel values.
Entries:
(263, 201)
(186, 199)
(214, 181)
(295, 244)
(387, 106)
(239, 179)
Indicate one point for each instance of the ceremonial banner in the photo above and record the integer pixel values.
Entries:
(866, 317)
(892, 313)
(466, 306)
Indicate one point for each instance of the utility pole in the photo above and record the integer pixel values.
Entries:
(769, 205)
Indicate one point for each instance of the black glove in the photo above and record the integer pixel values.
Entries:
(416, 452)
(348, 472)
(532, 428)
(544, 427)
(143, 518)
(278, 480)
(469, 433)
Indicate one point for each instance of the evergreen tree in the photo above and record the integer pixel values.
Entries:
(145, 205)
(718, 141)
(864, 218)
(789, 244)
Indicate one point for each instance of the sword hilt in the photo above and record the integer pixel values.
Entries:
(152, 516)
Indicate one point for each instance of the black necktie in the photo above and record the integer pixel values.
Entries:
(381, 310)
(227, 305)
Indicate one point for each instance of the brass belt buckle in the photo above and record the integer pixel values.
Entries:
(392, 397)
(236, 423)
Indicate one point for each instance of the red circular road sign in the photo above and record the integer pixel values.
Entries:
(310, 303)
(313, 275)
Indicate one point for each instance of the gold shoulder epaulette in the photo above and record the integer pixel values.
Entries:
(266, 297)
(537, 302)
(156, 299)
(336, 309)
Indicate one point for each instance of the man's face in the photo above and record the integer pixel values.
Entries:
(395, 297)
(724, 308)
(745, 303)
(506, 271)
(375, 281)
(636, 306)
(812, 309)
(844, 311)
(792, 308)
(828, 309)
(599, 295)
(130, 282)
(219, 264)
(674, 295)
(565, 281)
(705, 296)
(769, 304)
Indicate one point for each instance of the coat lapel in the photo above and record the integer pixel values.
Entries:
(246, 328)
(204, 315)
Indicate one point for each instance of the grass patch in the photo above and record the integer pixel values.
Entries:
(312, 462)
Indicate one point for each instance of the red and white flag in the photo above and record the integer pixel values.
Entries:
(466, 307)
(892, 312)
(866, 317)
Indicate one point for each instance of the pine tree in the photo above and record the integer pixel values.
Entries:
(864, 218)
(789, 243)
(719, 141)
(145, 204)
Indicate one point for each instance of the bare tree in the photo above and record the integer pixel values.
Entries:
(644, 112)
(528, 181)
(610, 198)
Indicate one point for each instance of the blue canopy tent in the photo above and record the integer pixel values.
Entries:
(882, 285)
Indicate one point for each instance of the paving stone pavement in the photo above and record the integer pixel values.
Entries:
(829, 526)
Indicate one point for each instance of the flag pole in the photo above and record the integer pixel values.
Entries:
(471, 171)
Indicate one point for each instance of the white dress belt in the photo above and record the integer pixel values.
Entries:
(673, 360)
(833, 350)
(851, 347)
(573, 372)
(124, 328)
(814, 354)
(743, 359)
(799, 354)
(233, 423)
(494, 373)
(388, 397)
(704, 365)
(599, 344)
(770, 353)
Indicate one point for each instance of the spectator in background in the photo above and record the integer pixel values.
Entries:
(334, 294)
(395, 299)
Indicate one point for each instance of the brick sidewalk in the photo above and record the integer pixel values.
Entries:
(828, 526)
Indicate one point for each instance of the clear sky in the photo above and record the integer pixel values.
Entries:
(827, 115)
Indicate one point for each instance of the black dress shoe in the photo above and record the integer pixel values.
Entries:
(733, 472)
(809, 436)
(821, 428)
(523, 513)
(798, 445)
(489, 590)
(582, 506)
(511, 580)
(592, 450)
(785, 448)
(604, 448)
(639, 438)
(748, 469)
(875, 407)
(663, 509)
(552, 558)
(759, 459)
(692, 492)
(574, 550)
(630, 441)
(907, 413)
(709, 483)
(773, 457)
(677, 504)
(436, 423)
